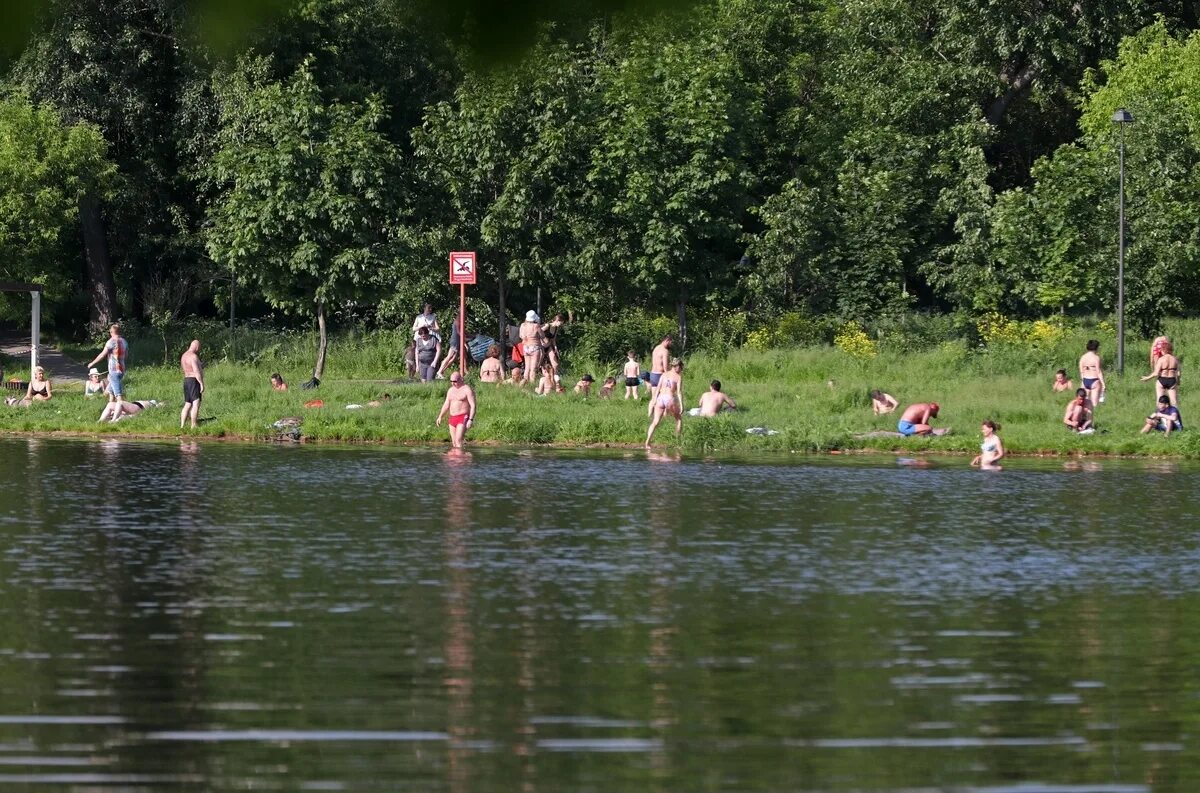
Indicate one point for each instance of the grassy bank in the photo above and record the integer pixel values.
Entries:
(815, 398)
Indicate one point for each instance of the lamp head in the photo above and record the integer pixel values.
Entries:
(1122, 116)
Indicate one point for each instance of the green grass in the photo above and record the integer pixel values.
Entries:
(816, 398)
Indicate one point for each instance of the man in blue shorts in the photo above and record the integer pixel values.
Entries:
(915, 419)
(115, 348)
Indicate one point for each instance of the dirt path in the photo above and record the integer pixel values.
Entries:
(59, 368)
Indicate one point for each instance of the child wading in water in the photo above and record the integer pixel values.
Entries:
(991, 451)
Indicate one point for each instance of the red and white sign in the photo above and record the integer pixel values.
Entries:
(462, 267)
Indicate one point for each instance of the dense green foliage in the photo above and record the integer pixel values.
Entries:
(789, 158)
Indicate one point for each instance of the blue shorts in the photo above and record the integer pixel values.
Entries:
(906, 428)
(114, 383)
(654, 377)
(1088, 382)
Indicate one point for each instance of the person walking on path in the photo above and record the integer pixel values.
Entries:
(460, 402)
(115, 349)
(193, 383)
(1091, 372)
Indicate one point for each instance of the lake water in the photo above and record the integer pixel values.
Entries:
(231, 617)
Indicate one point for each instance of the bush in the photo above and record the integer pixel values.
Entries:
(854, 341)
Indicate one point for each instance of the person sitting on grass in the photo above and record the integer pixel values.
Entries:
(606, 390)
(1079, 412)
(1164, 419)
(546, 382)
(516, 376)
(492, 371)
(277, 383)
(1062, 382)
(584, 386)
(915, 419)
(94, 384)
(115, 411)
(713, 401)
(881, 402)
(39, 388)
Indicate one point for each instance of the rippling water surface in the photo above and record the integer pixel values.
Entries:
(221, 617)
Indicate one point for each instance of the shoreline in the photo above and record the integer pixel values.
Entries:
(567, 446)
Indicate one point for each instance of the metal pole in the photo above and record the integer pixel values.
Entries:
(232, 286)
(36, 334)
(1121, 260)
(462, 329)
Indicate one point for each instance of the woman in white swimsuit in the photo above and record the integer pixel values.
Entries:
(669, 400)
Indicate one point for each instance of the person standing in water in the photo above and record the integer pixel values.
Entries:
(193, 383)
(991, 450)
(460, 402)
(1091, 372)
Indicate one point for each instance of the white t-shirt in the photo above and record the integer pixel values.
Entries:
(424, 321)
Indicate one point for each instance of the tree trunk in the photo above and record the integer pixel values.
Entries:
(681, 309)
(322, 341)
(1019, 84)
(99, 266)
(503, 336)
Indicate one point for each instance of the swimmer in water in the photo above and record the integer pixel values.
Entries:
(991, 451)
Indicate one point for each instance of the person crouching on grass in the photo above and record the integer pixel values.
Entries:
(460, 402)
(1079, 412)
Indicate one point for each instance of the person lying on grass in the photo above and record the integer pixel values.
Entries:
(1164, 419)
(277, 383)
(115, 411)
(1079, 412)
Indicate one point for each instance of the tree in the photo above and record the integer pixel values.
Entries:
(304, 193)
(46, 168)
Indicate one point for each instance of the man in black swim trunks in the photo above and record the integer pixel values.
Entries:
(193, 383)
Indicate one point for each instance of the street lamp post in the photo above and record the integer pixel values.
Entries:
(1121, 118)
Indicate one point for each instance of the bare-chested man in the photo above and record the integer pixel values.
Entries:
(713, 401)
(460, 402)
(1091, 371)
(915, 419)
(193, 383)
(658, 364)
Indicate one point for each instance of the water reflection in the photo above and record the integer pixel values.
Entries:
(227, 616)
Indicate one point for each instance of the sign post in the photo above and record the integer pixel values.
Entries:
(462, 272)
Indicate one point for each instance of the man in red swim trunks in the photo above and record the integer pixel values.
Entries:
(460, 401)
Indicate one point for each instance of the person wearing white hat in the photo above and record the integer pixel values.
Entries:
(531, 344)
(94, 384)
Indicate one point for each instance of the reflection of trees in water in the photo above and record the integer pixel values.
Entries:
(662, 617)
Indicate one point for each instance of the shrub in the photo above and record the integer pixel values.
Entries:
(854, 341)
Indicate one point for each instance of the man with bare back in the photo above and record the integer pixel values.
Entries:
(460, 402)
(659, 359)
(915, 419)
(193, 383)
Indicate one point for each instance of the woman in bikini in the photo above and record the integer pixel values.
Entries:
(531, 344)
(668, 400)
(39, 388)
(1166, 369)
(991, 450)
(1091, 372)
(550, 342)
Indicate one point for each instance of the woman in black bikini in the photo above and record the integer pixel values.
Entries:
(39, 388)
(1166, 369)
